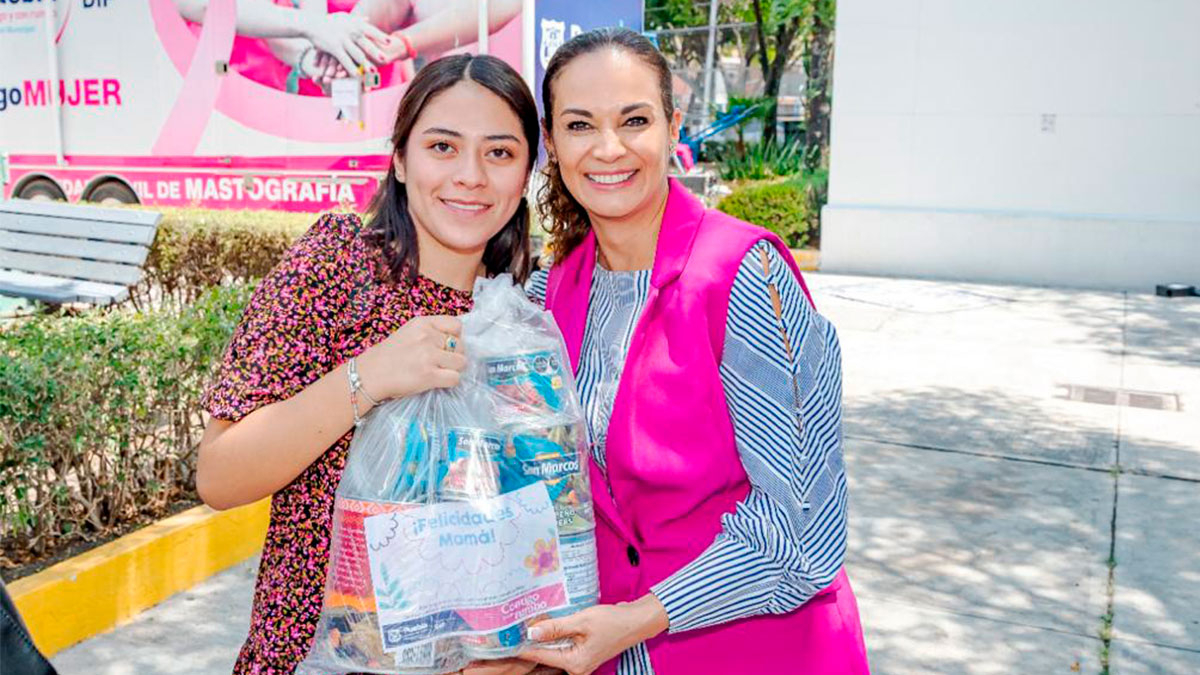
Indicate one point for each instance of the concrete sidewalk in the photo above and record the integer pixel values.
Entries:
(992, 479)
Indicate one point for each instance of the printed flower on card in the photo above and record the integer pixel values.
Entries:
(544, 559)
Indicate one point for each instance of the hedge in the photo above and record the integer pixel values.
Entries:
(100, 409)
(197, 249)
(100, 416)
(789, 208)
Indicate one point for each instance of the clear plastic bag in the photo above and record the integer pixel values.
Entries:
(463, 514)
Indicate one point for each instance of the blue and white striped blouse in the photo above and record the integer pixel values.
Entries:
(786, 540)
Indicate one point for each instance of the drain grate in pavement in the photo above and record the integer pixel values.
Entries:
(1150, 400)
(1096, 395)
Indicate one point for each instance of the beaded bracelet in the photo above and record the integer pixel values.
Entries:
(355, 388)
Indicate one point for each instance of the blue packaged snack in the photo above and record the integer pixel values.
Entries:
(412, 485)
(470, 468)
(528, 384)
(554, 457)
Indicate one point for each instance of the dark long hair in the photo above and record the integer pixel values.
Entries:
(567, 221)
(390, 225)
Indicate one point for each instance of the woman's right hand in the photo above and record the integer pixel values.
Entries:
(326, 70)
(414, 359)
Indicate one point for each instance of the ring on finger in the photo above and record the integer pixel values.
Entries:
(451, 343)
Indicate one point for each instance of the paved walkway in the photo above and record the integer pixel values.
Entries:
(992, 480)
(10, 307)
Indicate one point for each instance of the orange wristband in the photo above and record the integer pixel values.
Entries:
(408, 46)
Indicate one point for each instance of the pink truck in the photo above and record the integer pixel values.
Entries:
(217, 102)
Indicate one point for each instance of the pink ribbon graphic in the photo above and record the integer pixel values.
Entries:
(271, 111)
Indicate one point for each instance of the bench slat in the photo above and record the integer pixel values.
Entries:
(82, 248)
(81, 212)
(58, 253)
(57, 291)
(68, 267)
(82, 229)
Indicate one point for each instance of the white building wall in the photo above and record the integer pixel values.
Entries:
(1030, 141)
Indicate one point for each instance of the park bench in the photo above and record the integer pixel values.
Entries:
(60, 253)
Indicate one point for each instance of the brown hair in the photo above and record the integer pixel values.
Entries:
(568, 221)
(390, 225)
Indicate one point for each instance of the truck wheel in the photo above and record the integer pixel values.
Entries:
(112, 193)
(42, 190)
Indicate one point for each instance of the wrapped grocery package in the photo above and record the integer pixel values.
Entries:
(464, 514)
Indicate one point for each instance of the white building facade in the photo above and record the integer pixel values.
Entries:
(1050, 142)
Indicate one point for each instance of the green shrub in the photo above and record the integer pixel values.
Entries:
(787, 208)
(100, 416)
(100, 410)
(196, 249)
(761, 160)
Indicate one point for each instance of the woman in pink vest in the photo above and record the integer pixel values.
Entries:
(713, 394)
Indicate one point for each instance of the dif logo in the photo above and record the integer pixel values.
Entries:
(94, 4)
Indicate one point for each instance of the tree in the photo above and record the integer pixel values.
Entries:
(687, 48)
(786, 33)
(779, 26)
(789, 32)
(662, 14)
(800, 30)
(818, 69)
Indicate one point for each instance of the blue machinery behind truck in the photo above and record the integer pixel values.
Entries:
(725, 120)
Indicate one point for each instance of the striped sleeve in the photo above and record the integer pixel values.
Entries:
(787, 539)
(535, 287)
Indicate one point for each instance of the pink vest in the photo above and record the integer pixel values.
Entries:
(672, 461)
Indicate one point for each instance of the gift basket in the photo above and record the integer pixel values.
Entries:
(464, 514)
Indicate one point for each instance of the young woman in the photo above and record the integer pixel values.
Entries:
(713, 394)
(356, 314)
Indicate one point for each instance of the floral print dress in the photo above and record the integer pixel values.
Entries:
(329, 299)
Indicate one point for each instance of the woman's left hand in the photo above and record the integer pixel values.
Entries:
(598, 633)
(500, 667)
(396, 50)
(353, 40)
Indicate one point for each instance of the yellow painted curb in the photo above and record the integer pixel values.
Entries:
(110, 584)
(808, 260)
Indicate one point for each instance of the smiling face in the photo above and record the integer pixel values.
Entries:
(610, 135)
(464, 167)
